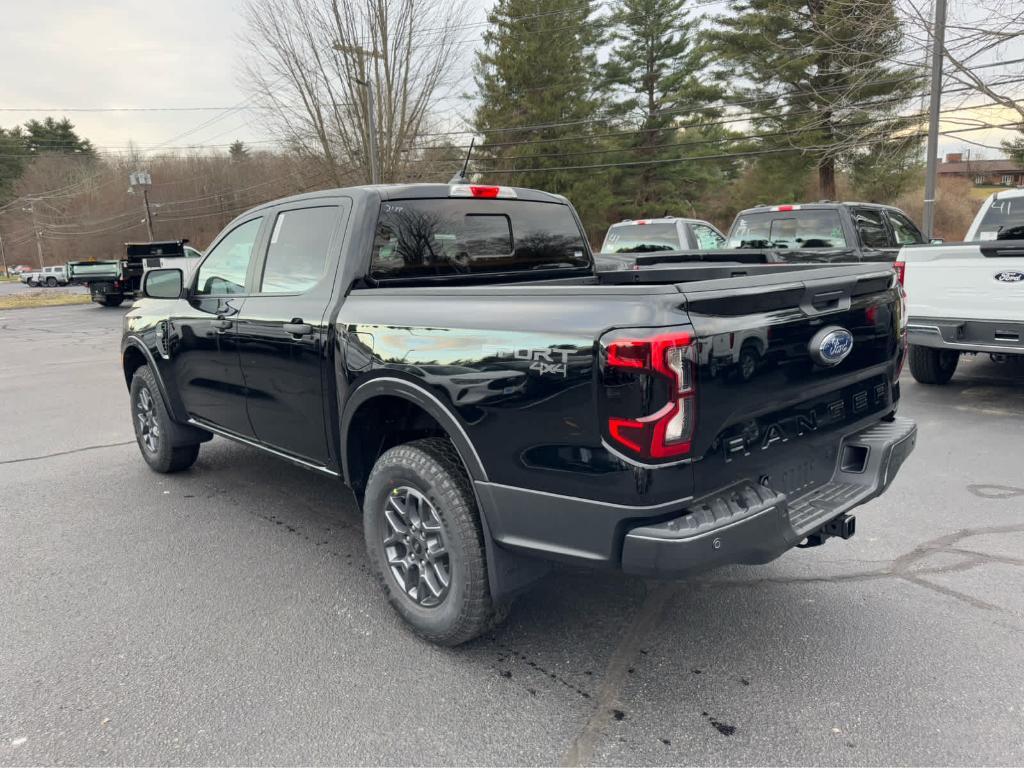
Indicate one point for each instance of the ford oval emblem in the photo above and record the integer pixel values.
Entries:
(1010, 276)
(831, 345)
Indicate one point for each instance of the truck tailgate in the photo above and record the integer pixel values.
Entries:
(968, 281)
(777, 374)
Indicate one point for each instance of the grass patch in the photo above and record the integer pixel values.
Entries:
(42, 299)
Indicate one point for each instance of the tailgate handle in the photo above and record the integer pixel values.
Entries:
(827, 299)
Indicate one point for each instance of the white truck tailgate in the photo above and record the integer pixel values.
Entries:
(969, 281)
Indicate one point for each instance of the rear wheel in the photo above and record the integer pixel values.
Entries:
(113, 300)
(153, 427)
(425, 542)
(51, 282)
(933, 366)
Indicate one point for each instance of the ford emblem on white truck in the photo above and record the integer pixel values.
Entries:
(1010, 276)
(831, 345)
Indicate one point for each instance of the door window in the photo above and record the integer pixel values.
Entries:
(298, 249)
(904, 229)
(871, 228)
(224, 269)
(706, 238)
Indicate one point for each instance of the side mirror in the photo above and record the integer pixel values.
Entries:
(163, 284)
(936, 241)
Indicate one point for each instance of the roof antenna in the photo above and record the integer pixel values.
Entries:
(460, 177)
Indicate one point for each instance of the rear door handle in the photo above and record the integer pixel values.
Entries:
(222, 325)
(298, 328)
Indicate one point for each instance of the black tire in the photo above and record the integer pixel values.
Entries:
(112, 301)
(432, 469)
(933, 366)
(748, 360)
(153, 427)
(51, 282)
(33, 283)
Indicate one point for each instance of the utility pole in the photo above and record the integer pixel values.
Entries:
(371, 108)
(3, 255)
(142, 180)
(149, 216)
(938, 48)
(35, 229)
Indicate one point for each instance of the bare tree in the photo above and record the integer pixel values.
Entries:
(309, 64)
(984, 50)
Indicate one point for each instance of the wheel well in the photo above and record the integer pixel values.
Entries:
(132, 360)
(379, 424)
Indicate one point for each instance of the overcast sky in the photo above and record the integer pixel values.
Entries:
(134, 53)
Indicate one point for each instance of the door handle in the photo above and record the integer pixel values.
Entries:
(298, 328)
(222, 325)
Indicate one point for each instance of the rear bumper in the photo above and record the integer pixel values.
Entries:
(994, 336)
(749, 523)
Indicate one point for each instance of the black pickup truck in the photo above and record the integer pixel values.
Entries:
(825, 231)
(449, 352)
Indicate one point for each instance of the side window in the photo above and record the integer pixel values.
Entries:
(223, 270)
(707, 238)
(297, 253)
(906, 232)
(871, 228)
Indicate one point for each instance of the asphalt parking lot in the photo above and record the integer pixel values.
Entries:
(226, 615)
(15, 288)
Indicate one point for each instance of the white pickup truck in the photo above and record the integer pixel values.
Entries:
(969, 296)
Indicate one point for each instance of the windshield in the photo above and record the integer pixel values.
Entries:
(1003, 220)
(787, 229)
(426, 238)
(642, 238)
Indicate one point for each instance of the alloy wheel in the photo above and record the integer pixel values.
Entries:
(145, 415)
(415, 547)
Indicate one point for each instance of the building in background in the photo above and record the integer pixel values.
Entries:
(1001, 172)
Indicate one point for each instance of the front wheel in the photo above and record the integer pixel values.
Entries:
(933, 366)
(153, 427)
(425, 542)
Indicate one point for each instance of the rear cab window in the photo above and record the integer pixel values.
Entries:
(424, 238)
(1002, 220)
(798, 228)
(638, 237)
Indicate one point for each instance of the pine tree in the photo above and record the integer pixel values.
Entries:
(1015, 147)
(537, 77)
(821, 72)
(51, 135)
(656, 75)
(238, 151)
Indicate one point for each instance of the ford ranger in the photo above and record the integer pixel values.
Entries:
(450, 354)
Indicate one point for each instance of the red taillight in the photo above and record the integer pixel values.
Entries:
(668, 431)
(484, 191)
(784, 208)
(901, 270)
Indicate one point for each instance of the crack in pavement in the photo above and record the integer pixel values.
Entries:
(66, 453)
(660, 595)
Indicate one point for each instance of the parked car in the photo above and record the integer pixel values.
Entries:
(449, 353)
(51, 277)
(815, 232)
(669, 233)
(968, 297)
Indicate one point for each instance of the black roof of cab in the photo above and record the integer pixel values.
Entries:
(407, 192)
